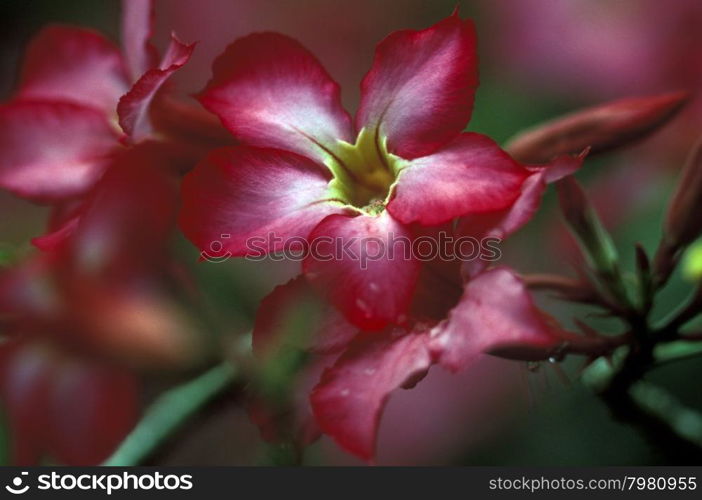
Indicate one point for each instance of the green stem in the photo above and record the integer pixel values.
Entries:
(673, 431)
(169, 412)
(659, 404)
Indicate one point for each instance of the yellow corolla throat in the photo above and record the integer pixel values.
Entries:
(364, 172)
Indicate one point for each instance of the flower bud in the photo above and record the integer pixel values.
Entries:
(605, 127)
(683, 223)
(645, 280)
(586, 226)
(595, 242)
(565, 288)
(643, 264)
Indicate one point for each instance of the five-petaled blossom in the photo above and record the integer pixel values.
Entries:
(403, 167)
(78, 101)
(305, 169)
(81, 101)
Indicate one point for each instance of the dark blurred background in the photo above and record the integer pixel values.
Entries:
(538, 59)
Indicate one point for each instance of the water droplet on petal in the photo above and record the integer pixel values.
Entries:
(344, 392)
(365, 309)
(373, 287)
(369, 371)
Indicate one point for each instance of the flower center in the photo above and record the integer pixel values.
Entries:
(364, 173)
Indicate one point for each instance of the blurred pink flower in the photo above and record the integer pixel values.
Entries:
(83, 316)
(600, 49)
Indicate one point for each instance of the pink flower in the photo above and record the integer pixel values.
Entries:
(83, 317)
(80, 99)
(403, 168)
(598, 49)
(451, 324)
(458, 311)
(74, 409)
(306, 170)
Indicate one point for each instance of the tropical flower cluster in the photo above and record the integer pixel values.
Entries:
(124, 161)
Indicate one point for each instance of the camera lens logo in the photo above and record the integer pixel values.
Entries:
(16, 488)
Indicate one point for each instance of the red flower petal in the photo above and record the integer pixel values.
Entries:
(502, 223)
(561, 166)
(471, 175)
(25, 377)
(328, 330)
(137, 28)
(133, 106)
(363, 265)
(244, 192)
(496, 314)
(92, 408)
(129, 216)
(28, 292)
(51, 151)
(349, 400)
(62, 223)
(53, 240)
(421, 86)
(269, 91)
(73, 64)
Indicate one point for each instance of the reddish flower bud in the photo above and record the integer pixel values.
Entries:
(586, 225)
(605, 127)
(565, 288)
(683, 223)
(643, 263)
(595, 242)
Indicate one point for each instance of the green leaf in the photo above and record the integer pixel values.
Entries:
(658, 403)
(600, 372)
(169, 412)
(675, 351)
